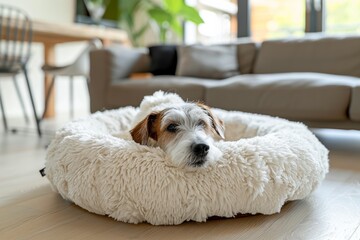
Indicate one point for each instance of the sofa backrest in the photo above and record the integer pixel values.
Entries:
(332, 55)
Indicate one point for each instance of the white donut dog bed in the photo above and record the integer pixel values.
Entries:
(266, 162)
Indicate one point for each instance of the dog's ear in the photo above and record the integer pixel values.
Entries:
(217, 123)
(145, 130)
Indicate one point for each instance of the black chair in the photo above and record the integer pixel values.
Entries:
(15, 46)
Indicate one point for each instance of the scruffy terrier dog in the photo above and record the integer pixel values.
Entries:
(185, 131)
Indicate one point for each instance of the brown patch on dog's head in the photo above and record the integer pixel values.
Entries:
(217, 124)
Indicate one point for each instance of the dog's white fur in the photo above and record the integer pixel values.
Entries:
(195, 124)
(156, 102)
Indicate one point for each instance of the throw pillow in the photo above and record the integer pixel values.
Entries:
(214, 61)
(163, 59)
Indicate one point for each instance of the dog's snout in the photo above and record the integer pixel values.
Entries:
(200, 149)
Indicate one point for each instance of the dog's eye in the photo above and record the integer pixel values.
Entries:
(172, 128)
(201, 123)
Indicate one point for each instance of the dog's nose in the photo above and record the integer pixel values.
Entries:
(200, 149)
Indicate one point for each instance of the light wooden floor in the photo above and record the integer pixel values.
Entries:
(30, 210)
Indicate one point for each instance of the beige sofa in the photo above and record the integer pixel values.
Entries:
(315, 80)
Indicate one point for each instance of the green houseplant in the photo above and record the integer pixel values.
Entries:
(168, 15)
(127, 11)
(171, 15)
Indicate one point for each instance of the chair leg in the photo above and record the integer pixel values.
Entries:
(3, 114)
(87, 83)
(88, 89)
(32, 101)
(71, 96)
(21, 99)
(48, 97)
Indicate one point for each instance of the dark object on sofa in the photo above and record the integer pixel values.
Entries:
(163, 59)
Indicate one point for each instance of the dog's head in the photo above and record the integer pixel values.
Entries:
(186, 132)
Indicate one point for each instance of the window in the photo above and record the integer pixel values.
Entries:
(220, 22)
(277, 18)
(216, 26)
(342, 16)
(271, 19)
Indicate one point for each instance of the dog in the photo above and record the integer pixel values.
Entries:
(186, 131)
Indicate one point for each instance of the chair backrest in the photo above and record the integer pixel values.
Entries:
(15, 36)
(81, 65)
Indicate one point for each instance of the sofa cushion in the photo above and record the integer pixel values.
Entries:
(247, 52)
(131, 92)
(355, 103)
(163, 59)
(326, 55)
(131, 60)
(213, 61)
(301, 96)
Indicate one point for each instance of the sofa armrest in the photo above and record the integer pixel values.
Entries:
(112, 64)
(354, 110)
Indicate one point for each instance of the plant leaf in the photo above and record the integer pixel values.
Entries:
(177, 27)
(160, 15)
(127, 10)
(141, 31)
(191, 14)
(128, 6)
(129, 20)
(174, 6)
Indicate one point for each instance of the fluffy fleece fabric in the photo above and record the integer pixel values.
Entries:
(266, 162)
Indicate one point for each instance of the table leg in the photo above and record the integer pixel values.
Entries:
(49, 58)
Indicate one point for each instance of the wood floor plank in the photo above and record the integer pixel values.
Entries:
(331, 214)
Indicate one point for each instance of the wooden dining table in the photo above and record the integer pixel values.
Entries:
(51, 34)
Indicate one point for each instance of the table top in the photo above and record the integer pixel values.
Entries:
(53, 33)
(60, 33)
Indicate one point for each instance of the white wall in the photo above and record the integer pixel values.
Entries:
(57, 11)
(48, 10)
